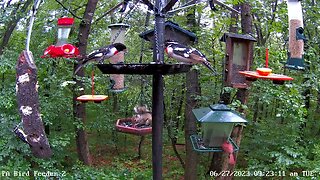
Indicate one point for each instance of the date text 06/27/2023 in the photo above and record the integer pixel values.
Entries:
(264, 173)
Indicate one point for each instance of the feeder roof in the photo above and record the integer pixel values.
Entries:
(171, 26)
(237, 36)
(218, 113)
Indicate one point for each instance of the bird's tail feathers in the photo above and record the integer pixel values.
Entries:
(82, 63)
(208, 65)
(78, 68)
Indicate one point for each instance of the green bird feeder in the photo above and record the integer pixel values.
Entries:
(217, 122)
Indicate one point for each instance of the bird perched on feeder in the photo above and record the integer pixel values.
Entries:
(20, 134)
(186, 54)
(101, 54)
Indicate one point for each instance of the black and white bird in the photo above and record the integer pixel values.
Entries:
(102, 54)
(186, 54)
(21, 135)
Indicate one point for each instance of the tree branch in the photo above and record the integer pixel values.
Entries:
(71, 12)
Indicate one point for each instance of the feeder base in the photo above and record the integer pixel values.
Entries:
(94, 98)
(118, 90)
(295, 64)
(125, 125)
(198, 145)
(253, 75)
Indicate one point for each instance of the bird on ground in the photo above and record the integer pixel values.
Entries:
(102, 54)
(186, 54)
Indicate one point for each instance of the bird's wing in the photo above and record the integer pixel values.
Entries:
(181, 50)
(98, 53)
(197, 55)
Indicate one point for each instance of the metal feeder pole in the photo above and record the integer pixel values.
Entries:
(157, 93)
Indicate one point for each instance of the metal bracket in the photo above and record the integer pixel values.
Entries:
(169, 5)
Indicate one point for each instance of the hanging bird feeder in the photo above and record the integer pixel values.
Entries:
(217, 122)
(265, 73)
(117, 36)
(239, 57)
(92, 97)
(296, 36)
(140, 124)
(126, 125)
(62, 48)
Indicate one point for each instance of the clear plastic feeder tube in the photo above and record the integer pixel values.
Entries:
(64, 28)
(296, 43)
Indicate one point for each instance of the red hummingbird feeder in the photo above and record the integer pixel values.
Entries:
(265, 73)
(62, 48)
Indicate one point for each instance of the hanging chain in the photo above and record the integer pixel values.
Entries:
(125, 17)
(155, 29)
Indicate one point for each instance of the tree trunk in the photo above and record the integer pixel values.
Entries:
(79, 110)
(242, 94)
(28, 103)
(193, 89)
(219, 161)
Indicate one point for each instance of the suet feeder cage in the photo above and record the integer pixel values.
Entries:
(296, 36)
(173, 32)
(217, 122)
(239, 57)
(117, 36)
(62, 48)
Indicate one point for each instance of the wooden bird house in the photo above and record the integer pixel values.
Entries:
(239, 57)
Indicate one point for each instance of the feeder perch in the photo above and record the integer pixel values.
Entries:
(92, 97)
(197, 144)
(117, 36)
(239, 57)
(217, 122)
(125, 125)
(265, 73)
(173, 32)
(62, 48)
(296, 37)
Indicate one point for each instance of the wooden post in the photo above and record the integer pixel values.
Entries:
(28, 104)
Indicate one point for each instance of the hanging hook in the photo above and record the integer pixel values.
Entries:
(33, 14)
